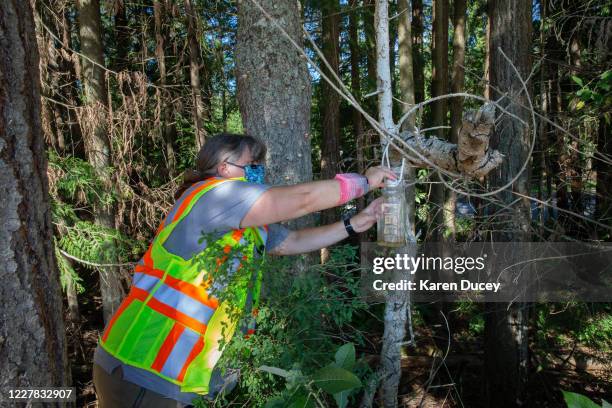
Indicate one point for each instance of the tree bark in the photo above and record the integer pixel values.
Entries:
(443, 217)
(395, 301)
(97, 141)
(456, 104)
(358, 133)
(199, 110)
(330, 100)
(273, 90)
(32, 336)
(166, 126)
(122, 36)
(417, 51)
(506, 345)
(407, 93)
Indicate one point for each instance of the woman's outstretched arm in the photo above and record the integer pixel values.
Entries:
(312, 239)
(285, 203)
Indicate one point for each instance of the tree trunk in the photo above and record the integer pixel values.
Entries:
(355, 51)
(199, 110)
(443, 219)
(122, 36)
(456, 104)
(330, 101)
(407, 94)
(395, 301)
(97, 141)
(166, 126)
(506, 346)
(274, 90)
(32, 336)
(418, 61)
(369, 29)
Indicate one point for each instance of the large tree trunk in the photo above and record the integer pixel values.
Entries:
(506, 346)
(199, 110)
(97, 141)
(274, 89)
(32, 339)
(166, 126)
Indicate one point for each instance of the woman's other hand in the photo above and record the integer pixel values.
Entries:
(366, 218)
(376, 176)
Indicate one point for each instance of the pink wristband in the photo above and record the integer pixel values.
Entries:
(352, 185)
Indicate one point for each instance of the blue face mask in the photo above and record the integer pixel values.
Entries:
(253, 173)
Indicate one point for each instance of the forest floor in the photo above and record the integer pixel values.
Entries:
(458, 377)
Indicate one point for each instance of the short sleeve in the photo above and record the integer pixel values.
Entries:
(224, 207)
(219, 210)
(276, 235)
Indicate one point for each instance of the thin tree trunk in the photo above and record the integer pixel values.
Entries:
(330, 100)
(166, 125)
(506, 345)
(369, 8)
(395, 301)
(32, 337)
(358, 133)
(273, 87)
(456, 104)
(199, 110)
(97, 142)
(418, 61)
(122, 36)
(443, 217)
(407, 94)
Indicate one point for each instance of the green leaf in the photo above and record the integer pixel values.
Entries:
(345, 356)
(577, 80)
(574, 400)
(334, 379)
(276, 402)
(275, 371)
(342, 398)
(301, 400)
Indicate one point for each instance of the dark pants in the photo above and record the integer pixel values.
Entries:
(114, 392)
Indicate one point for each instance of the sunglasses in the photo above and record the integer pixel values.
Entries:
(250, 166)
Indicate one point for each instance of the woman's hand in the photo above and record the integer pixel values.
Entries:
(366, 218)
(376, 176)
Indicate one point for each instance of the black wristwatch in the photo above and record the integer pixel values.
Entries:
(349, 227)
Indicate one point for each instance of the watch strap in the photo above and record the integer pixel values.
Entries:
(349, 227)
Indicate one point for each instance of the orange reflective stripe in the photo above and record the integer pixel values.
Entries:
(134, 294)
(158, 273)
(147, 258)
(190, 196)
(174, 314)
(167, 346)
(126, 302)
(238, 234)
(196, 292)
(192, 355)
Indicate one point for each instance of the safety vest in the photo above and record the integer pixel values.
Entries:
(170, 324)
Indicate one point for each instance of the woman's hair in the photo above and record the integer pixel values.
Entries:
(217, 149)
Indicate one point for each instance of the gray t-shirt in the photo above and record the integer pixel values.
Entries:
(218, 211)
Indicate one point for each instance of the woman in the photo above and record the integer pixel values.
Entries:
(161, 346)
